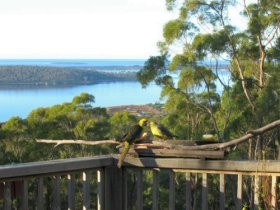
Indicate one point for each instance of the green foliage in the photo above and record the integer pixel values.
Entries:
(84, 98)
(55, 122)
(153, 68)
(57, 76)
(75, 120)
(120, 122)
(206, 34)
(173, 30)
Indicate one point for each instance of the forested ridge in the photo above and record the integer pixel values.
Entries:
(56, 76)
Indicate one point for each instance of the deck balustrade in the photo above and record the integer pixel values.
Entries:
(142, 183)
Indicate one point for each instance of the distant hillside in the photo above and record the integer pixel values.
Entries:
(57, 76)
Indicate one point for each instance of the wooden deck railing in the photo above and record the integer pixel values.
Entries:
(142, 183)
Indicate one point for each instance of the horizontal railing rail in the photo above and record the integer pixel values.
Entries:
(54, 166)
(142, 183)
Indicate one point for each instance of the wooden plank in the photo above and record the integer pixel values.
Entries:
(40, 193)
(71, 191)
(189, 142)
(204, 191)
(24, 198)
(218, 154)
(171, 190)
(188, 191)
(113, 188)
(124, 191)
(139, 189)
(222, 191)
(274, 192)
(65, 166)
(266, 166)
(7, 196)
(86, 191)
(54, 166)
(239, 191)
(100, 189)
(256, 193)
(56, 201)
(155, 189)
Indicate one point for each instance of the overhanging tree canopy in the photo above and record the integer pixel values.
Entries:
(208, 38)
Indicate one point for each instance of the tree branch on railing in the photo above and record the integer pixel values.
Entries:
(235, 142)
(171, 144)
(58, 142)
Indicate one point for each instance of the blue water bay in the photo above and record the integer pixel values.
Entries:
(21, 101)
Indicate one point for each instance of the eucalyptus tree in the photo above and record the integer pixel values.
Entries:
(205, 38)
(14, 141)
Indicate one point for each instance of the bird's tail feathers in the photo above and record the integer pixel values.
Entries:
(123, 154)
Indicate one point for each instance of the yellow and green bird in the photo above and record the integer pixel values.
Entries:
(130, 137)
(210, 137)
(160, 131)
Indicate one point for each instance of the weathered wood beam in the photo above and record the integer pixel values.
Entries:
(40, 193)
(250, 167)
(71, 191)
(171, 190)
(155, 190)
(54, 166)
(71, 141)
(86, 190)
(113, 188)
(181, 153)
(237, 141)
(100, 189)
(139, 189)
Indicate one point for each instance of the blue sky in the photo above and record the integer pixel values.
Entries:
(81, 28)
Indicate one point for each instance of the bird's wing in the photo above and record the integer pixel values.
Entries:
(166, 132)
(156, 131)
(133, 133)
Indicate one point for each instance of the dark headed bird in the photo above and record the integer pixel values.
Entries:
(133, 134)
(160, 131)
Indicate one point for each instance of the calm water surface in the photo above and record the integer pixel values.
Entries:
(20, 102)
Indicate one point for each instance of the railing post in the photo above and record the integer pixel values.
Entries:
(113, 188)
(7, 196)
(56, 205)
(155, 189)
(239, 191)
(40, 194)
(139, 191)
(188, 191)
(24, 198)
(100, 189)
(86, 191)
(124, 185)
(274, 192)
(204, 191)
(256, 192)
(222, 191)
(171, 190)
(71, 191)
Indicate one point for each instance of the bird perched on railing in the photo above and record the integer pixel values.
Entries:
(132, 135)
(160, 131)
